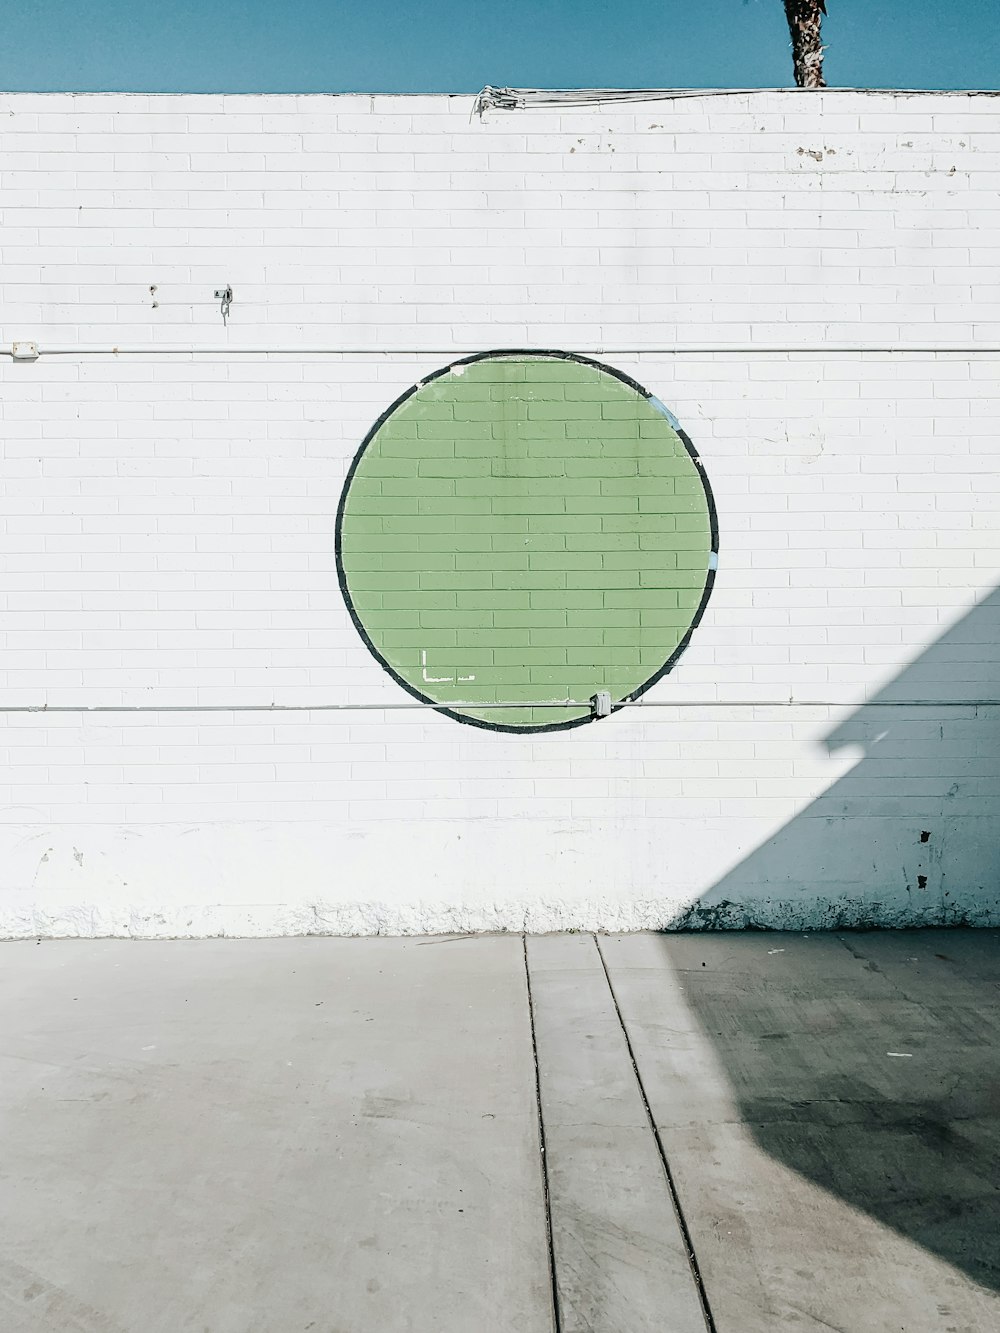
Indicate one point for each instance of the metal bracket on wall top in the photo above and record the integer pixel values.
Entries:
(600, 704)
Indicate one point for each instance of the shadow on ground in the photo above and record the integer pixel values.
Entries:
(911, 1138)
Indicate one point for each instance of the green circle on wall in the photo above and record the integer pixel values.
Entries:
(526, 527)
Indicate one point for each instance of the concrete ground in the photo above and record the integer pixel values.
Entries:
(494, 1135)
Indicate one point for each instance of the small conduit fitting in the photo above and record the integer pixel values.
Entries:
(24, 351)
(600, 704)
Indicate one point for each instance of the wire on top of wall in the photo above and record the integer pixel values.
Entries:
(31, 351)
(523, 99)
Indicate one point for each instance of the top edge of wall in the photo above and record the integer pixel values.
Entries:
(613, 95)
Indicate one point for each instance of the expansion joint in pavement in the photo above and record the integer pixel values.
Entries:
(692, 1257)
(556, 1316)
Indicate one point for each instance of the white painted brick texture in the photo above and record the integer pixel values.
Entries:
(168, 509)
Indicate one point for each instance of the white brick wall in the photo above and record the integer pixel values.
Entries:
(169, 512)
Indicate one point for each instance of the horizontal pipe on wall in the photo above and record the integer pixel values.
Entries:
(729, 349)
(485, 707)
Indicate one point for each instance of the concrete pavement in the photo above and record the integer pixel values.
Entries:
(573, 1133)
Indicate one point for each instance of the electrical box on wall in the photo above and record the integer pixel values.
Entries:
(23, 351)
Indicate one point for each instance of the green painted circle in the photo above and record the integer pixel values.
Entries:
(525, 527)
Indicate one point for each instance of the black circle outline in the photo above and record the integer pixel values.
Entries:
(342, 574)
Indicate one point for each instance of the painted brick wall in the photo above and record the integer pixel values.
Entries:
(826, 748)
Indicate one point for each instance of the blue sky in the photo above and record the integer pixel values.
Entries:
(443, 46)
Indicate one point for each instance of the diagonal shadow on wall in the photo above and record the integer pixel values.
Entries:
(803, 1027)
(911, 835)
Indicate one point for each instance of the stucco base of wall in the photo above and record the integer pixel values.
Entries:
(171, 881)
(264, 920)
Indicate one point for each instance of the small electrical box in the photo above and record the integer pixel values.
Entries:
(600, 704)
(22, 351)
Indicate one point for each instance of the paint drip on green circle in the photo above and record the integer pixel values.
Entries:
(526, 528)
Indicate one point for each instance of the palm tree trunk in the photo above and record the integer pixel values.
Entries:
(804, 19)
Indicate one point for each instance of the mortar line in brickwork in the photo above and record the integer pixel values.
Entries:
(489, 707)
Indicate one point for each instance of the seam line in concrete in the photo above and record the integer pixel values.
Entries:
(692, 1257)
(553, 1280)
